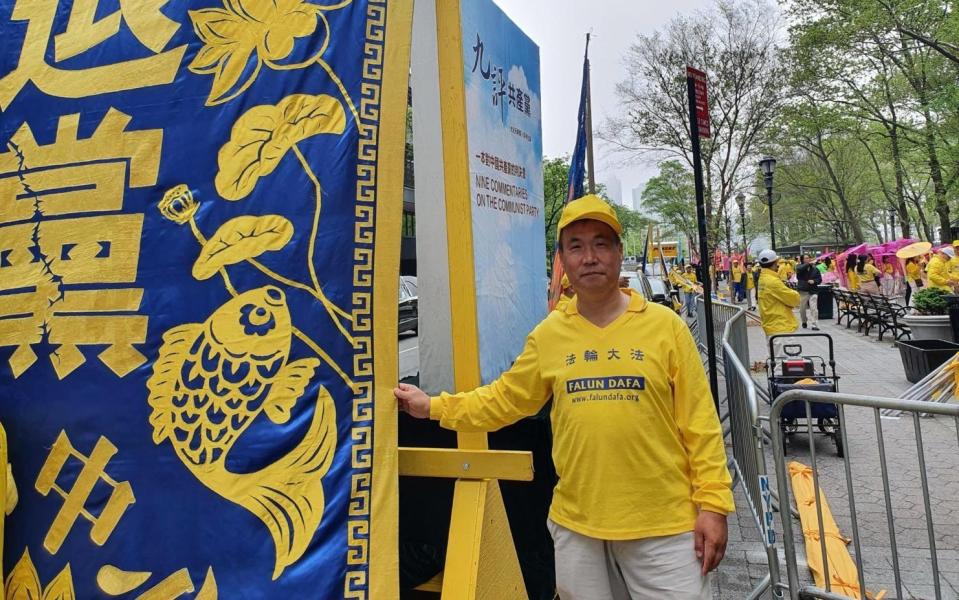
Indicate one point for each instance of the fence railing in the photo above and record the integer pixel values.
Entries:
(750, 434)
(745, 428)
(911, 566)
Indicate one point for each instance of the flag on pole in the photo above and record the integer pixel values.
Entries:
(577, 174)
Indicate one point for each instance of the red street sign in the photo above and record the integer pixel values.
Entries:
(702, 100)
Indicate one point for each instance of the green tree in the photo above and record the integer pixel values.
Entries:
(670, 197)
(734, 44)
(555, 181)
(886, 65)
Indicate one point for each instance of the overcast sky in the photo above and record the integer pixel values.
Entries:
(560, 27)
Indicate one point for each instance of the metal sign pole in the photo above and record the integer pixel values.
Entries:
(704, 256)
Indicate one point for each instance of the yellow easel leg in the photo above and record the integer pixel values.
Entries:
(481, 560)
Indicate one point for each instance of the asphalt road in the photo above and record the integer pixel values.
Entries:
(409, 355)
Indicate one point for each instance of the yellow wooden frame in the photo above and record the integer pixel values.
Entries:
(481, 560)
(383, 581)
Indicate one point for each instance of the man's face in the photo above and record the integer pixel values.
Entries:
(591, 255)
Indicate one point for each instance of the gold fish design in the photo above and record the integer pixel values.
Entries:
(212, 379)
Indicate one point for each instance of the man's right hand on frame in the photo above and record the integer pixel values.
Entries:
(412, 400)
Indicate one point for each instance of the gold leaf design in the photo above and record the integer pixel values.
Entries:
(209, 590)
(23, 583)
(61, 588)
(114, 581)
(240, 239)
(12, 496)
(241, 36)
(263, 135)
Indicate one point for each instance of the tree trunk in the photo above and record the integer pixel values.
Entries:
(901, 207)
(916, 75)
(840, 193)
(935, 173)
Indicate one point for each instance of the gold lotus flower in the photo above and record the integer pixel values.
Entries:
(250, 33)
(178, 204)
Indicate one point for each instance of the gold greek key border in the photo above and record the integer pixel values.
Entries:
(356, 581)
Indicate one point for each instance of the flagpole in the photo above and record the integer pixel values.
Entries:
(589, 124)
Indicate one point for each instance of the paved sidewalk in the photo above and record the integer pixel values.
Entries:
(869, 367)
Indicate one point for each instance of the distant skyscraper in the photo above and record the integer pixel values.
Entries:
(614, 189)
(638, 199)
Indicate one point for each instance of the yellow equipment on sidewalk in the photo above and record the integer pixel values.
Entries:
(843, 578)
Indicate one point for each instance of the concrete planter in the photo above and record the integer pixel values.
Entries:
(929, 327)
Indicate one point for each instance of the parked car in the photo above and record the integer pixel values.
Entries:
(409, 305)
(653, 289)
(663, 294)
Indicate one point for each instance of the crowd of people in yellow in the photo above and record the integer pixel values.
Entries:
(777, 301)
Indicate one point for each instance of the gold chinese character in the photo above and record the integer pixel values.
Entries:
(74, 500)
(114, 581)
(52, 263)
(150, 26)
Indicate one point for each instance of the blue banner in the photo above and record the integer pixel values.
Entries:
(189, 222)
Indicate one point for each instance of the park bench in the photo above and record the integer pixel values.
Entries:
(849, 307)
(869, 311)
(889, 313)
(871, 314)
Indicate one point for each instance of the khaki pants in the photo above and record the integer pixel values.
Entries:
(660, 568)
(808, 301)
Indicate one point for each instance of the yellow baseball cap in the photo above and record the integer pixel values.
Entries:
(955, 243)
(590, 206)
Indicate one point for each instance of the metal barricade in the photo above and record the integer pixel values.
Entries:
(910, 566)
(748, 464)
(722, 314)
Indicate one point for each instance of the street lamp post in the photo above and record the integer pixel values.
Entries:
(768, 166)
(741, 201)
(729, 242)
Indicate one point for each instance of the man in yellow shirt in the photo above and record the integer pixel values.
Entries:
(783, 271)
(954, 261)
(754, 281)
(776, 301)
(737, 287)
(750, 285)
(643, 489)
(913, 278)
(938, 272)
(691, 290)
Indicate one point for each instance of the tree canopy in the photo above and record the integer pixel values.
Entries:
(857, 100)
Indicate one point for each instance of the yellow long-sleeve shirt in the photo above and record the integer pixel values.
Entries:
(636, 441)
(939, 275)
(913, 272)
(776, 304)
(853, 278)
(736, 274)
